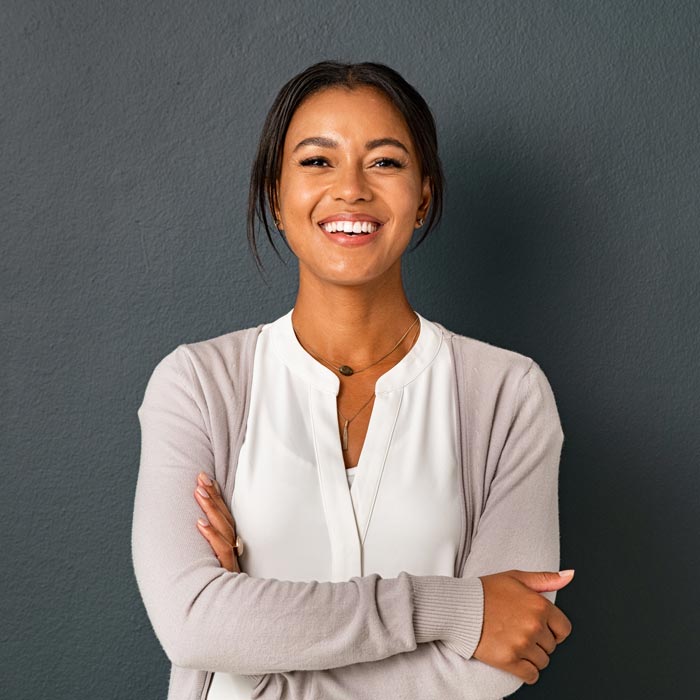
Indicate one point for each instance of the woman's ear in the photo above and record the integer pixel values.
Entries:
(276, 213)
(426, 198)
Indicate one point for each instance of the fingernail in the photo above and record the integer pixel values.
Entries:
(566, 573)
(204, 478)
(202, 522)
(202, 492)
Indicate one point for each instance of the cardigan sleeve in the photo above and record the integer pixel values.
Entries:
(211, 619)
(519, 529)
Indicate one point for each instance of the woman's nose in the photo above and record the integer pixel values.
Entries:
(351, 184)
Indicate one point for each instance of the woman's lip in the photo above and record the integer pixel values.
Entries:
(350, 240)
(351, 217)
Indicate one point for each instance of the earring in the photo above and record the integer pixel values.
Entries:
(277, 224)
(420, 221)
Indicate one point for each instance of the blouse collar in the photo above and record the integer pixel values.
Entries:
(300, 362)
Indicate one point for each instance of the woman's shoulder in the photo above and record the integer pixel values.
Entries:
(226, 355)
(226, 343)
(500, 377)
(219, 359)
(484, 357)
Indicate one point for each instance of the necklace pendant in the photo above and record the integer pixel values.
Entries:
(345, 436)
(345, 370)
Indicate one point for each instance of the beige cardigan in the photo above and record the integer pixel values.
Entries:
(406, 637)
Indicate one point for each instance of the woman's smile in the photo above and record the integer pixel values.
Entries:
(350, 223)
(351, 229)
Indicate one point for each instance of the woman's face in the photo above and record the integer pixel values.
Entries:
(350, 190)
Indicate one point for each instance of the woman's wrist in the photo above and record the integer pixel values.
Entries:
(449, 609)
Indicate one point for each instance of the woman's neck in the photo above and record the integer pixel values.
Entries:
(351, 324)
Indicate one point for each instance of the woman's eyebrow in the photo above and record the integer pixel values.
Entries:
(323, 142)
(319, 141)
(386, 141)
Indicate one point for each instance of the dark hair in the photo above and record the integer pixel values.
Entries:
(267, 166)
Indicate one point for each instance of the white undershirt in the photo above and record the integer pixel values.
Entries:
(350, 473)
(302, 515)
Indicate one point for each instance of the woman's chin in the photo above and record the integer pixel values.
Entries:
(342, 274)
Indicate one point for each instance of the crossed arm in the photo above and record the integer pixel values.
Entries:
(208, 618)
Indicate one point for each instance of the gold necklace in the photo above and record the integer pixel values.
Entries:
(347, 421)
(348, 371)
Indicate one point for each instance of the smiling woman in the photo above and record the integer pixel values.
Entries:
(349, 159)
(395, 484)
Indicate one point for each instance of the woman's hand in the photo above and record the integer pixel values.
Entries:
(218, 528)
(521, 627)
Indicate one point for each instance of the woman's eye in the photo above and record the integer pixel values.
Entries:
(314, 161)
(388, 163)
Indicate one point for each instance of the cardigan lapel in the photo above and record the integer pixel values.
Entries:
(459, 362)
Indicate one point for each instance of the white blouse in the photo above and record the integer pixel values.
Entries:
(302, 515)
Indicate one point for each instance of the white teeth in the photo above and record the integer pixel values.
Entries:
(350, 226)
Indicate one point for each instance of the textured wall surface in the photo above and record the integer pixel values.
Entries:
(570, 138)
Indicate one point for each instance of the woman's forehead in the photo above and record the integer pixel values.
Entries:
(361, 110)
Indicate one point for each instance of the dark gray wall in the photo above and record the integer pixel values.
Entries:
(570, 137)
